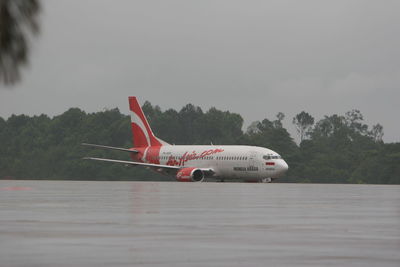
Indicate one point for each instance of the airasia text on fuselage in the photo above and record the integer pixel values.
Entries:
(191, 156)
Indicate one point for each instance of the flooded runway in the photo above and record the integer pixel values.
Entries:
(68, 223)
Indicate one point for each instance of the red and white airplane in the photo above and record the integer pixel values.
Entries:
(194, 163)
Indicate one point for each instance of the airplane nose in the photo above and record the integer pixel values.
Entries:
(282, 167)
(285, 167)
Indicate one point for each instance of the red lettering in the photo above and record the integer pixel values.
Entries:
(182, 159)
(192, 156)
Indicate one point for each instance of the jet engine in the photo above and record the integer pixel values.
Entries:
(190, 175)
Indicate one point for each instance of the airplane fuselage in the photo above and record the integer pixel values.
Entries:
(249, 163)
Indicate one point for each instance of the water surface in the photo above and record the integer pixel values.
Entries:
(70, 223)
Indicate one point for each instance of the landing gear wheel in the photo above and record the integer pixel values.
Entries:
(265, 180)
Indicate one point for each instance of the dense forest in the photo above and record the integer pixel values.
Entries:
(336, 149)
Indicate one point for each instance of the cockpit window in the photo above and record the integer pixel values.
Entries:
(267, 157)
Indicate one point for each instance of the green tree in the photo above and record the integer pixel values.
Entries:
(271, 134)
(279, 118)
(354, 120)
(339, 149)
(377, 132)
(18, 19)
(303, 122)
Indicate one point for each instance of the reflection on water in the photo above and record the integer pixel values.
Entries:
(65, 223)
(145, 197)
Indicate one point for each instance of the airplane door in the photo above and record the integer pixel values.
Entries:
(252, 157)
(252, 167)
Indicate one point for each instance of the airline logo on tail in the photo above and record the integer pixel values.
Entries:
(142, 134)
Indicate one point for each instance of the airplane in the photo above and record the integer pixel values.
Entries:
(196, 163)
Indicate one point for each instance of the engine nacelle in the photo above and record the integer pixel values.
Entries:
(190, 175)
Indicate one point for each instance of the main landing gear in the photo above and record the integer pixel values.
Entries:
(265, 180)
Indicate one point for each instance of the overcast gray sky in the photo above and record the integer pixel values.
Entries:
(255, 58)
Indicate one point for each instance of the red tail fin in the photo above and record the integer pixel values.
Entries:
(142, 134)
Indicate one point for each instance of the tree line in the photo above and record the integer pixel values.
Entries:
(335, 149)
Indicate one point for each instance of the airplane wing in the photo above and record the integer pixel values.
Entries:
(207, 171)
(111, 147)
(136, 163)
